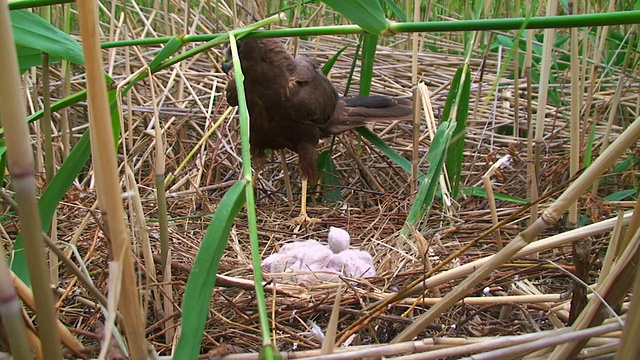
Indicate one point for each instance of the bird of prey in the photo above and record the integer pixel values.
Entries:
(292, 105)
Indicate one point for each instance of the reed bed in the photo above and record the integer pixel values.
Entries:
(526, 301)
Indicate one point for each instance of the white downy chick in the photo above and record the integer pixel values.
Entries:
(294, 247)
(266, 264)
(354, 263)
(288, 258)
(309, 255)
(284, 263)
(338, 239)
(314, 256)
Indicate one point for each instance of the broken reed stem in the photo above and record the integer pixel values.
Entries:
(329, 342)
(614, 248)
(27, 296)
(563, 336)
(613, 288)
(486, 180)
(533, 248)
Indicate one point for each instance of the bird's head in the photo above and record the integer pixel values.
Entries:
(227, 64)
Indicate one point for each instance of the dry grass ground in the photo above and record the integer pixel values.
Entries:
(376, 194)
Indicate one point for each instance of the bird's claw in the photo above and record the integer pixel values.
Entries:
(303, 218)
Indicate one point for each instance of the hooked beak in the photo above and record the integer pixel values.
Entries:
(227, 66)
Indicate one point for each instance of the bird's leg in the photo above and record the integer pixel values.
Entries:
(254, 178)
(285, 170)
(303, 217)
(303, 201)
(307, 155)
(258, 165)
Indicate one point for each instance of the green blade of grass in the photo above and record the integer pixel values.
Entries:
(329, 182)
(588, 150)
(328, 174)
(429, 186)
(169, 49)
(164, 60)
(457, 109)
(395, 9)
(628, 194)
(369, 47)
(32, 31)
(368, 14)
(385, 149)
(626, 165)
(29, 57)
(478, 191)
(243, 112)
(202, 279)
(368, 54)
(60, 104)
(326, 68)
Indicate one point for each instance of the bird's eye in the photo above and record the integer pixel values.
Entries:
(227, 53)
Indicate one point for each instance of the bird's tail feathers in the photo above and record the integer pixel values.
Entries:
(356, 111)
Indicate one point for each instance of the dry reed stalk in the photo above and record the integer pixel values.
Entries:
(530, 249)
(66, 91)
(166, 302)
(20, 163)
(630, 348)
(417, 99)
(488, 300)
(46, 128)
(109, 194)
(550, 216)
(545, 65)
(329, 342)
(27, 296)
(615, 101)
(577, 91)
(613, 288)
(563, 337)
(614, 250)
(11, 313)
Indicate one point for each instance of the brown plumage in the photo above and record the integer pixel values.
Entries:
(292, 104)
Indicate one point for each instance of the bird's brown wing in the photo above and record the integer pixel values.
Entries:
(310, 104)
(312, 97)
(305, 70)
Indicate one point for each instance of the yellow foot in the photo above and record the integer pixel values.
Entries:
(301, 219)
